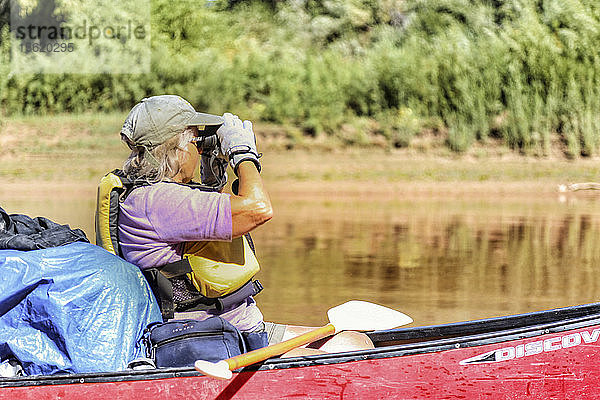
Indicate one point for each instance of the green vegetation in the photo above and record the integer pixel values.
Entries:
(524, 73)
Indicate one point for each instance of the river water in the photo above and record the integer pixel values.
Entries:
(437, 258)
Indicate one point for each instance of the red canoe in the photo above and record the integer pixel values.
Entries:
(544, 355)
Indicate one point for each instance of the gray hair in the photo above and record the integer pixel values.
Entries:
(139, 167)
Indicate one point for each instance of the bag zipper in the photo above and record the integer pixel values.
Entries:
(188, 336)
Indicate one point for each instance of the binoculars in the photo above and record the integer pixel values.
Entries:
(208, 139)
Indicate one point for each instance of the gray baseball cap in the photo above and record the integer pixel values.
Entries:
(156, 119)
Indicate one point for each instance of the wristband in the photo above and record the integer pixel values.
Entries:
(237, 157)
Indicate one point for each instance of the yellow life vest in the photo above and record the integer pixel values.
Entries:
(111, 187)
(217, 268)
(220, 268)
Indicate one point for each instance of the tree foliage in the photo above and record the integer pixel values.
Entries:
(522, 71)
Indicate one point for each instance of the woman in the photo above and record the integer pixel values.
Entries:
(162, 218)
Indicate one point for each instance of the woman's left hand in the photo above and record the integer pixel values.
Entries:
(238, 141)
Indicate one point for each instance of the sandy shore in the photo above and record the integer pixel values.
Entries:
(350, 174)
(60, 166)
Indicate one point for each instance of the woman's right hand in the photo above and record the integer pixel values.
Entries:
(238, 142)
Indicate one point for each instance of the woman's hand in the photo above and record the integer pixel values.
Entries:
(238, 142)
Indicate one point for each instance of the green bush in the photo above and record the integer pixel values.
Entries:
(522, 71)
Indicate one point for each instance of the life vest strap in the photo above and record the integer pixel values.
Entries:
(160, 281)
(176, 268)
(251, 288)
(202, 303)
(163, 291)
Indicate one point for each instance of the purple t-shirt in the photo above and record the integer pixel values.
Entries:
(155, 222)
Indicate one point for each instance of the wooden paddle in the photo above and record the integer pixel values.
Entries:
(351, 316)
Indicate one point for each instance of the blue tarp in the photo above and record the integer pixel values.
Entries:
(73, 308)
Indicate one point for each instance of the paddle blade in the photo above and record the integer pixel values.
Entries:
(358, 315)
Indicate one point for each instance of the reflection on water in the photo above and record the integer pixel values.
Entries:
(438, 261)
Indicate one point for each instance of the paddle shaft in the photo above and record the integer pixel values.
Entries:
(258, 355)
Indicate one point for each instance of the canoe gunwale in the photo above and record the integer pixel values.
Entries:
(494, 324)
(431, 340)
(432, 346)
